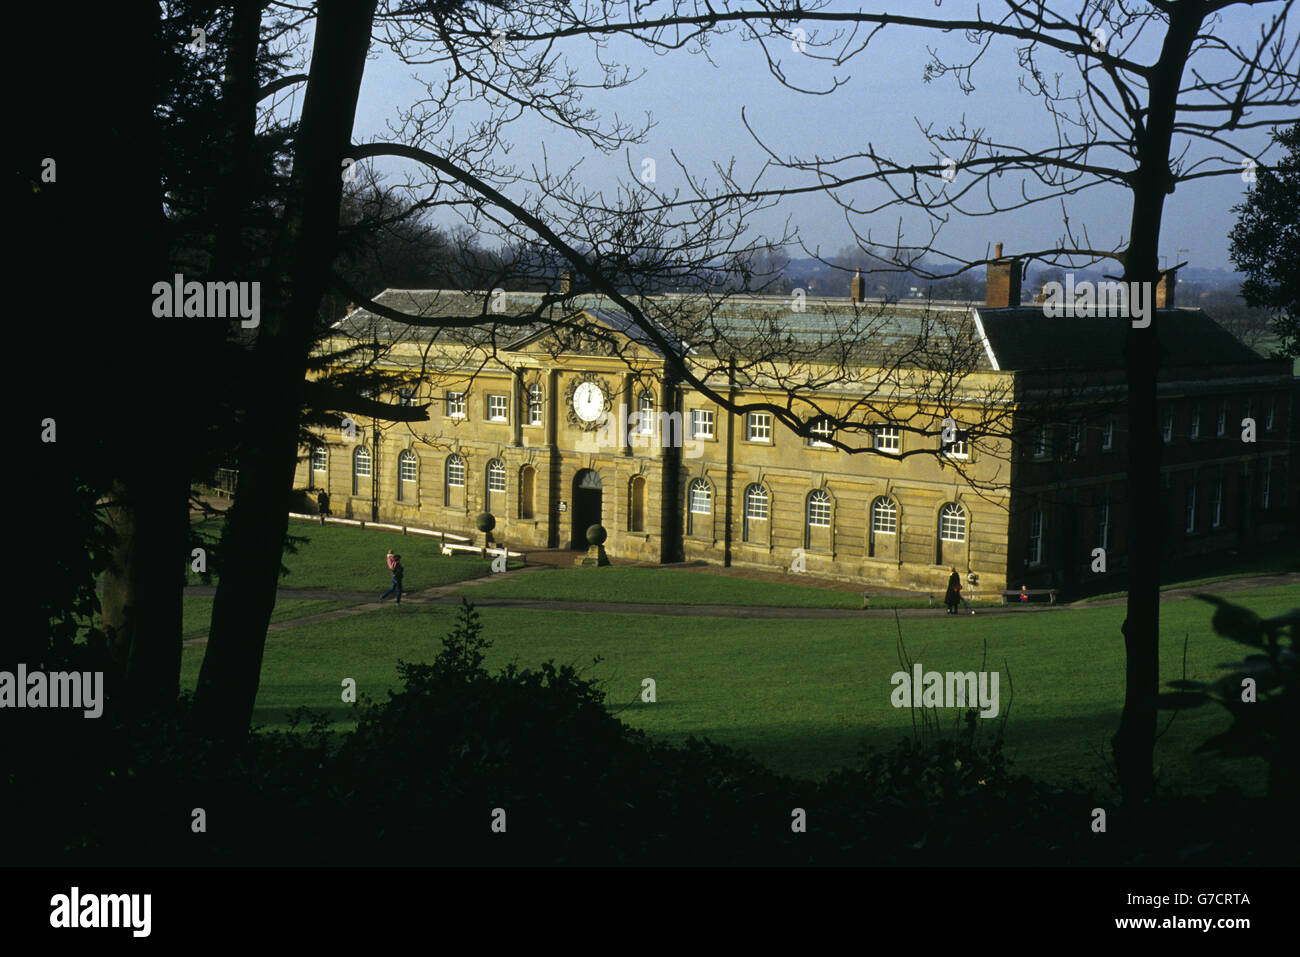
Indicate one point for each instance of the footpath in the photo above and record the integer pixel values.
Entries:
(451, 594)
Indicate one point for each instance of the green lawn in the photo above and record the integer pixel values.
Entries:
(801, 695)
(197, 613)
(347, 558)
(670, 586)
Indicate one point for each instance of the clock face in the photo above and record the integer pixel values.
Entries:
(588, 401)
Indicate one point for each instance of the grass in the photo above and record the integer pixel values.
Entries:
(1270, 559)
(344, 558)
(666, 586)
(802, 696)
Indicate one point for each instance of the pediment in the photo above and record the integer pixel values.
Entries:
(593, 332)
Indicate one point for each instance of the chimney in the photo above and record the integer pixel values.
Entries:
(566, 283)
(1002, 281)
(856, 287)
(1165, 289)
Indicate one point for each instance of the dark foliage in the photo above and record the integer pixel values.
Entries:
(418, 781)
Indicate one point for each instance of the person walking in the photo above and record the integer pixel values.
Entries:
(398, 573)
(323, 504)
(1024, 595)
(391, 559)
(951, 596)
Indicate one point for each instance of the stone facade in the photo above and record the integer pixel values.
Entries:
(674, 476)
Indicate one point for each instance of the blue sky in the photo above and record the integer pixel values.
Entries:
(697, 108)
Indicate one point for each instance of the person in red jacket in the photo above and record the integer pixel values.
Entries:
(398, 573)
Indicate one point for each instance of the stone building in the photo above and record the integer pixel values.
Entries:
(552, 432)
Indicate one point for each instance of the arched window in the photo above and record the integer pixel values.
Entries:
(952, 523)
(455, 471)
(454, 489)
(407, 473)
(700, 497)
(406, 466)
(527, 482)
(819, 509)
(496, 476)
(360, 469)
(636, 504)
(756, 512)
(884, 516)
(883, 529)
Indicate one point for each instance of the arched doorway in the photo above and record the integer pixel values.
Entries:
(586, 507)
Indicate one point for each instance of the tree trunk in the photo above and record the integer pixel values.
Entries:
(143, 592)
(258, 519)
(1134, 741)
(145, 456)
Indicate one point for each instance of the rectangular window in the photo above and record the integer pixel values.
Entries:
(1169, 426)
(1268, 481)
(1108, 435)
(534, 405)
(889, 438)
(1035, 537)
(406, 396)
(1268, 416)
(645, 411)
(1103, 524)
(1222, 425)
(1216, 504)
(820, 433)
(1195, 431)
(958, 448)
(1076, 439)
(456, 405)
(759, 427)
(498, 408)
(1191, 507)
(1040, 442)
(702, 423)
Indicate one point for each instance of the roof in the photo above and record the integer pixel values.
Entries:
(1025, 339)
(1013, 339)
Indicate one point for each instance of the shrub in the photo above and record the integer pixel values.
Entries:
(1265, 718)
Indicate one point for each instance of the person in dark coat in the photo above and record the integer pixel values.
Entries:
(323, 503)
(953, 595)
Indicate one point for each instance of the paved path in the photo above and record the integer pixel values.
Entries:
(451, 594)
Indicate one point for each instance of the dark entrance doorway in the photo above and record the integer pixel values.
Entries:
(586, 507)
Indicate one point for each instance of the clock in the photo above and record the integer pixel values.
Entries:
(587, 403)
